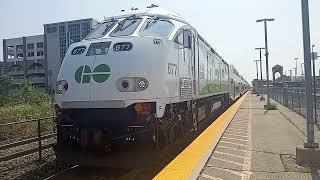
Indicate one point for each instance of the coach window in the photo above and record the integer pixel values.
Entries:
(157, 28)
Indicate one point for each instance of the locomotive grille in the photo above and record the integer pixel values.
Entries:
(185, 88)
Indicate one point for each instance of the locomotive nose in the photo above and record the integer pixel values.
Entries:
(117, 70)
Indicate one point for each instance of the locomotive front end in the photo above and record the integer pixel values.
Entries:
(115, 82)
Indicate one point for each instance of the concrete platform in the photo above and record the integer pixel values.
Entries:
(260, 144)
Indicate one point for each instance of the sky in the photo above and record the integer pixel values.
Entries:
(229, 25)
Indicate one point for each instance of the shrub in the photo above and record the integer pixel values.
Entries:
(24, 103)
(270, 106)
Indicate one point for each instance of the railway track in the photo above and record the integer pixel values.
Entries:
(148, 171)
(56, 175)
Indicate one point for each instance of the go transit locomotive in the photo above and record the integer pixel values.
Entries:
(141, 72)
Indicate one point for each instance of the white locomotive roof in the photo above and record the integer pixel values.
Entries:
(151, 12)
(157, 11)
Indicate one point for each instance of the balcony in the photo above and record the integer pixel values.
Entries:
(10, 52)
(39, 49)
(37, 80)
(19, 51)
(17, 81)
(15, 73)
(36, 71)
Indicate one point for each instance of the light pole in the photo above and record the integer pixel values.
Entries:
(256, 61)
(301, 153)
(267, 53)
(261, 87)
(296, 70)
(302, 65)
(314, 57)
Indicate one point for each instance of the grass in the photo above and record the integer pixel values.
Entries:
(24, 104)
(270, 106)
(25, 130)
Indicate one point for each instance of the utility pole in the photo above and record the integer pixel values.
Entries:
(267, 53)
(296, 69)
(310, 152)
(261, 87)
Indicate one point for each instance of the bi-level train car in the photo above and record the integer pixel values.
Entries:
(140, 72)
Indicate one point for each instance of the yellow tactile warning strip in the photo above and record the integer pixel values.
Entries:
(188, 164)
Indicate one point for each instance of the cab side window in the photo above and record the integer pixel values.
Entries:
(186, 39)
(183, 38)
(179, 38)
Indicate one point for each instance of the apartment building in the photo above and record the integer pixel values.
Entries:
(24, 59)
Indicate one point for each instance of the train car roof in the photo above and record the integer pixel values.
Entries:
(150, 11)
(154, 10)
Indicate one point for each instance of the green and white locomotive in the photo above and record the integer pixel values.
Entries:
(142, 72)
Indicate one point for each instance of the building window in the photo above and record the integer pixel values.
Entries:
(63, 52)
(19, 48)
(10, 52)
(62, 31)
(74, 33)
(30, 46)
(39, 53)
(10, 56)
(51, 29)
(30, 54)
(19, 55)
(85, 29)
(10, 49)
(40, 45)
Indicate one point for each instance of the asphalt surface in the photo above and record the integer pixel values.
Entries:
(260, 144)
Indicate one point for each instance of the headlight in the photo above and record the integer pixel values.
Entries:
(142, 84)
(132, 84)
(61, 87)
(125, 84)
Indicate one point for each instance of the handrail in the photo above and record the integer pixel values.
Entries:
(26, 141)
(26, 121)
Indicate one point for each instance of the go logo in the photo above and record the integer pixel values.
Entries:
(100, 74)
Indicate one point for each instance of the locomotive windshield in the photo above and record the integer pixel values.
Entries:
(157, 28)
(126, 27)
(102, 29)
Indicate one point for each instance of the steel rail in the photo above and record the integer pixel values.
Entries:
(54, 176)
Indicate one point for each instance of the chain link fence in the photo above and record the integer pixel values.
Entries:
(294, 99)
